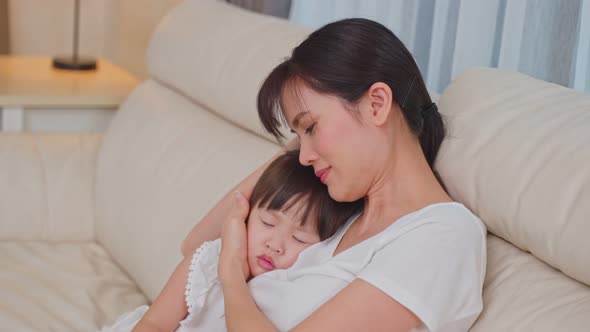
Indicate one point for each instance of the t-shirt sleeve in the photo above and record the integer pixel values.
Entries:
(436, 270)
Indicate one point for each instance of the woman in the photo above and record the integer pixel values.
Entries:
(414, 260)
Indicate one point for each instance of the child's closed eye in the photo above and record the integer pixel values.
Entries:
(266, 223)
(299, 240)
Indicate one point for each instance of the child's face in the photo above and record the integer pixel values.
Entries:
(275, 238)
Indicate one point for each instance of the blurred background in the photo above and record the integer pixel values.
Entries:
(547, 39)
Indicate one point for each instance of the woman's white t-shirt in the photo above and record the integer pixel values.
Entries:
(432, 261)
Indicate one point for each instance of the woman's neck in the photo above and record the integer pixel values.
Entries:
(406, 185)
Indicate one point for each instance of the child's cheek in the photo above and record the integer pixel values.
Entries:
(290, 261)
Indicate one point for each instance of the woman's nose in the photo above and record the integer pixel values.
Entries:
(306, 154)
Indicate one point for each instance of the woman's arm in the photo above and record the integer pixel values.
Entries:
(169, 308)
(241, 312)
(358, 307)
(209, 228)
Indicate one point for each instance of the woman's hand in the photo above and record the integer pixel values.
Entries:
(233, 261)
(241, 312)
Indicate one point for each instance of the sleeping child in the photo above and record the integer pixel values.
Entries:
(291, 210)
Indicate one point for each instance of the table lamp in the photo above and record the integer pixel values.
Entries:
(75, 62)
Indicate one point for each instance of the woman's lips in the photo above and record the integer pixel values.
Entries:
(266, 263)
(323, 174)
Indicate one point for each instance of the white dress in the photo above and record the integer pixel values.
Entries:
(432, 261)
(203, 296)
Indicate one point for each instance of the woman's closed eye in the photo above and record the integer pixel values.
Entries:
(309, 130)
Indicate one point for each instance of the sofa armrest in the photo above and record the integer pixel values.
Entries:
(47, 186)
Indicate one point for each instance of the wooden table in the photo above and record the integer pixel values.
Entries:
(29, 84)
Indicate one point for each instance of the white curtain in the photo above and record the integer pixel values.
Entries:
(547, 39)
(278, 8)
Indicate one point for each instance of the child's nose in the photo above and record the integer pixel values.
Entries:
(274, 246)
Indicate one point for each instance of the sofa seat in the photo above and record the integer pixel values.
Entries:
(61, 287)
(516, 280)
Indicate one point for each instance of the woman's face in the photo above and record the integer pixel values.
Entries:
(334, 140)
(276, 238)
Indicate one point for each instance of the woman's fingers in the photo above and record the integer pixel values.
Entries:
(234, 228)
(240, 207)
(234, 240)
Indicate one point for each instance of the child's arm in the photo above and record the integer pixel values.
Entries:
(209, 228)
(169, 308)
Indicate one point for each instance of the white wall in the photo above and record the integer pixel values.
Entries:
(42, 27)
(129, 26)
(118, 30)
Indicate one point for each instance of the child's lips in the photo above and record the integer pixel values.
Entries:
(265, 262)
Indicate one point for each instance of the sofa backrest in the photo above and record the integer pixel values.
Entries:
(187, 135)
(217, 55)
(518, 155)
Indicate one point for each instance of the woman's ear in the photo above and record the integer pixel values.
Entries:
(378, 103)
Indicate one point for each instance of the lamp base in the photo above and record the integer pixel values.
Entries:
(69, 63)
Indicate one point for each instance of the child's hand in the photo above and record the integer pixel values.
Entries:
(234, 246)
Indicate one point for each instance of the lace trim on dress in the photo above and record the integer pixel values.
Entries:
(202, 274)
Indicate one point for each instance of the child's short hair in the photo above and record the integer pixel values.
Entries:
(286, 182)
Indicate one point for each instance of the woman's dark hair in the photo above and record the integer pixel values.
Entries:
(286, 182)
(344, 59)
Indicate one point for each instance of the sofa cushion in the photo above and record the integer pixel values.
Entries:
(521, 293)
(517, 154)
(61, 287)
(218, 55)
(164, 162)
(48, 186)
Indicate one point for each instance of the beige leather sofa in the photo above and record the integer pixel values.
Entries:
(91, 225)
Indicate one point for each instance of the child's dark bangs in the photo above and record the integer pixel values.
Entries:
(284, 184)
(289, 194)
(286, 198)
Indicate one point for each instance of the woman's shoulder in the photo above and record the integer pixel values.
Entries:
(438, 222)
(440, 247)
(452, 213)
